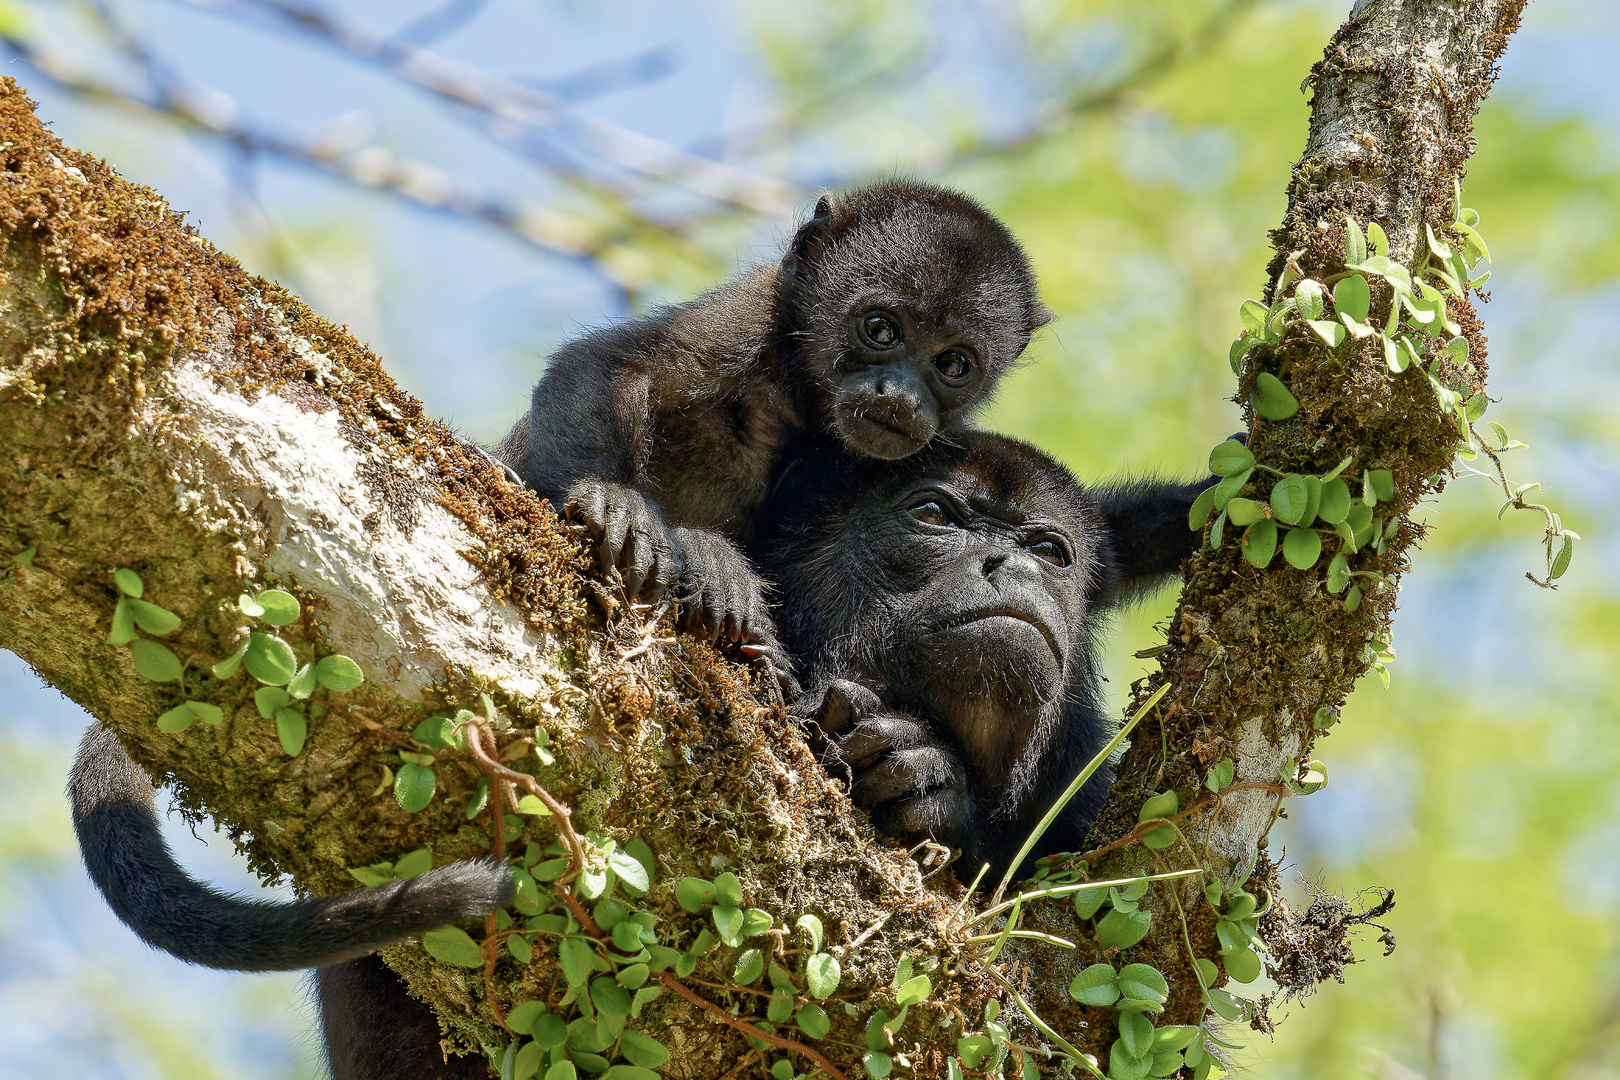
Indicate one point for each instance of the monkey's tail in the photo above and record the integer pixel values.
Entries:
(127, 858)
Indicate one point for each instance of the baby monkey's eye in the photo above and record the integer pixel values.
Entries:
(953, 367)
(1051, 551)
(932, 513)
(880, 331)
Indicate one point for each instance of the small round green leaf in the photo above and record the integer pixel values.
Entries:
(339, 673)
(813, 1021)
(1143, 982)
(611, 998)
(280, 608)
(269, 659)
(1198, 516)
(227, 667)
(643, 1050)
(1560, 561)
(821, 974)
(1335, 502)
(1383, 484)
(749, 967)
(1121, 1066)
(1352, 599)
(176, 719)
(1289, 499)
(782, 1069)
(1136, 1031)
(291, 729)
(915, 989)
(1252, 315)
(1352, 297)
(562, 1070)
(811, 926)
(521, 951)
(1230, 486)
(155, 660)
(728, 890)
(122, 631)
(1095, 985)
(128, 582)
(153, 619)
(268, 699)
(1087, 901)
(452, 945)
(1160, 838)
(1243, 965)
(550, 1030)
(755, 921)
(631, 873)
(1302, 547)
(729, 922)
(414, 863)
(635, 976)
(1308, 296)
(526, 1062)
(1244, 512)
(693, 893)
(1272, 399)
(1121, 930)
(1229, 458)
(1260, 543)
(877, 1063)
(413, 787)
(1159, 806)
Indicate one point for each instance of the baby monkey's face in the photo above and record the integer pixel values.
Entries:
(900, 374)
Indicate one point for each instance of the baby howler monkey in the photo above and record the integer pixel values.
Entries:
(887, 321)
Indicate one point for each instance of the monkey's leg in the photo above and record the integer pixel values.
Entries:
(375, 1030)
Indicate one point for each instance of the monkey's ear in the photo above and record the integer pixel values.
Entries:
(1039, 316)
(810, 234)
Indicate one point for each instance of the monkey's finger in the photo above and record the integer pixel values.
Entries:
(921, 769)
(873, 738)
(638, 562)
(889, 779)
(587, 502)
(615, 528)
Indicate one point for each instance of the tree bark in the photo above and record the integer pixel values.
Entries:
(163, 411)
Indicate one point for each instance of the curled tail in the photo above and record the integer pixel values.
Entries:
(130, 863)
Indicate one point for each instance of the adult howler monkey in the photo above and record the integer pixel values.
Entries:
(946, 612)
(888, 320)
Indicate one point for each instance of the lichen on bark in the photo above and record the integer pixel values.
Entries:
(163, 410)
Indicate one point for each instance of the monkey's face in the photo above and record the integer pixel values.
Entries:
(898, 376)
(988, 583)
(907, 303)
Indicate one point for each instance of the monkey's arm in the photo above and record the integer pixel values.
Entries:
(129, 862)
(1147, 527)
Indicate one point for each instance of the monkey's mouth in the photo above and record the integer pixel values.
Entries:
(881, 433)
(956, 622)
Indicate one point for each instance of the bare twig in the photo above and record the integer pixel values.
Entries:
(505, 104)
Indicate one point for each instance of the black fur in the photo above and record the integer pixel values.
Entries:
(130, 863)
(375, 1030)
(663, 434)
(951, 666)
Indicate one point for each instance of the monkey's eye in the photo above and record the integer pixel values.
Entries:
(880, 331)
(932, 513)
(953, 367)
(1051, 551)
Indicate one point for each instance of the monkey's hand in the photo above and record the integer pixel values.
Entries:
(720, 593)
(635, 540)
(897, 767)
